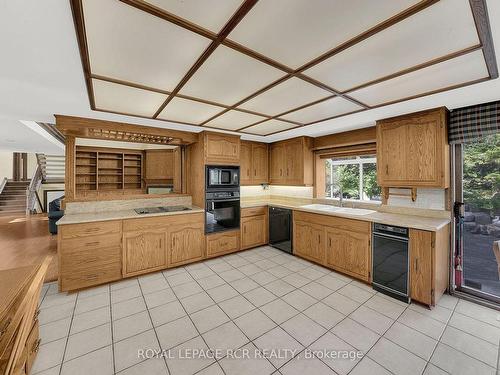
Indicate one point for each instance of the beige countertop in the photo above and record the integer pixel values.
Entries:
(118, 215)
(410, 221)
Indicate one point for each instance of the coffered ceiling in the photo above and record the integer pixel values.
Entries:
(266, 66)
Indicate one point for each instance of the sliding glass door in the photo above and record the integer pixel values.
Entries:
(477, 217)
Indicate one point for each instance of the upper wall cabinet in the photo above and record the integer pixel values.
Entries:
(292, 162)
(413, 151)
(221, 148)
(254, 163)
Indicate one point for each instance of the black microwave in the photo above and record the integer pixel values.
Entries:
(222, 177)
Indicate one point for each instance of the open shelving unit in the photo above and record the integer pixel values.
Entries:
(100, 169)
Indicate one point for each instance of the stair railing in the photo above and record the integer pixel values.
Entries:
(31, 192)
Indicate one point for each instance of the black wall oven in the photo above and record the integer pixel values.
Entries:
(222, 211)
(222, 178)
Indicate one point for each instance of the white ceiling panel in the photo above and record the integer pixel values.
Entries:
(269, 127)
(125, 99)
(233, 120)
(294, 32)
(229, 76)
(445, 27)
(290, 94)
(132, 45)
(210, 14)
(185, 110)
(329, 108)
(462, 69)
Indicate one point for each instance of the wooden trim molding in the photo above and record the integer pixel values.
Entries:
(482, 21)
(349, 138)
(81, 127)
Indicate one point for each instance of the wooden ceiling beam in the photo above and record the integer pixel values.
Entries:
(228, 27)
(482, 21)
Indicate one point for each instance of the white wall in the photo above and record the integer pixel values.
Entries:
(5, 165)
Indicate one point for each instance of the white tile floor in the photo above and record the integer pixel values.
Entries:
(260, 299)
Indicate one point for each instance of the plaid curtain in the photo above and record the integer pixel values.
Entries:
(469, 124)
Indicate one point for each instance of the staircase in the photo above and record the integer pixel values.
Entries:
(52, 168)
(13, 198)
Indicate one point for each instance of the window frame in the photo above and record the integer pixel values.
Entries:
(357, 161)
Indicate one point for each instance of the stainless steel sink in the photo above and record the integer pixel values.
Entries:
(159, 210)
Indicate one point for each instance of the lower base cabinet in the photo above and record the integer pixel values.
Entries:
(223, 243)
(341, 244)
(144, 251)
(429, 264)
(96, 253)
(254, 227)
(186, 243)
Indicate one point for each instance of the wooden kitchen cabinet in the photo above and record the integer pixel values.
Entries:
(221, 148)
(291, 162)
(144, 251)
(338, 243)
(413, 151)
(429, 264)
(309, 241)
(349, 252)
(222, 243)
(254, 227)
(254, 162)
(186, 243)
(159, 164)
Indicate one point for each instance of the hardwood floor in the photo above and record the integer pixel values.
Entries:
(25, 240)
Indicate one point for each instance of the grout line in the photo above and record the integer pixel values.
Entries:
(112, 331)
(67, 338)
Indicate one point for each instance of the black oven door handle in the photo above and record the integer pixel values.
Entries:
(223, 200)
(396, 238)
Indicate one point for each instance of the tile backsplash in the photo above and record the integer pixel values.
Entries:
(432, 199)
(276, 190)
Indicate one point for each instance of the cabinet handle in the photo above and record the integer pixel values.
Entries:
(387, 169)
(319, 239)
(287, 171)
(255, 172)
(330, 242)
(281, 172)
(416, 265)
(92, 243)
(36, 346)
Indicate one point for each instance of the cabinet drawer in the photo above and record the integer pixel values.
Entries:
(77, 245)
(223, 243)
(82, 277)
(90, 229)
(90, 258)
(253, 211)
(333, 221)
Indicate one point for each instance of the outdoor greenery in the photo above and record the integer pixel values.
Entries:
(347, 177)
(481, 181)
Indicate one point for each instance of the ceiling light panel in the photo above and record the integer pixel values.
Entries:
(269, 127)
(233, 120)
(190, 111)
(229, 76)
(289, 94)
(131, 45)
(445, 27)
(210, 14)
(326, 109)
(457, 71)
(294, 32)
(125, 99)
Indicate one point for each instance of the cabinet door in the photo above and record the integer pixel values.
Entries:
(294, 162)
(159, 164)
(391, 153)
(278, 168)
(422, 153)
(144, 251)
(253, 231)
(421, 250)
(309, 241)
(260, 163)
(186, 243)
(349, 251)
(222, 148)
(246, 172)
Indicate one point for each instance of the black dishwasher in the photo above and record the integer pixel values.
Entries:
(390, 260)
(280, 228)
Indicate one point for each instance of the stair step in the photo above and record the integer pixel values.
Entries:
(12, 198)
